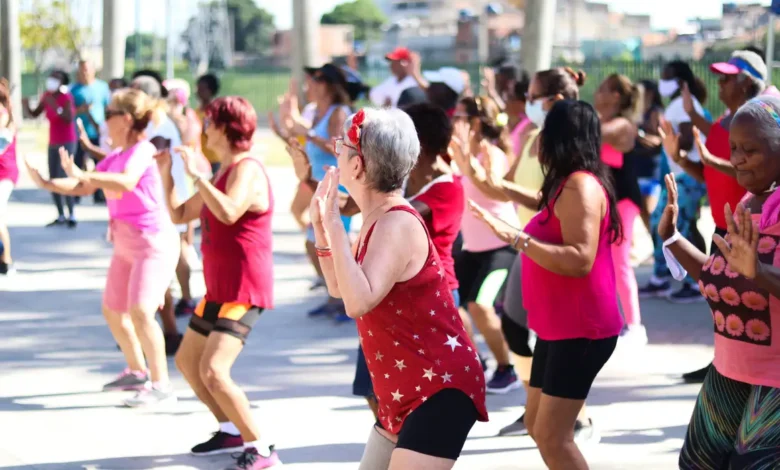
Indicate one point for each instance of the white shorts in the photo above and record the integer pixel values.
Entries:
(6, 187)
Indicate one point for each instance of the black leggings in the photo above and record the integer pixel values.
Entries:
(567, 368)
(56, 171)
(439, 427)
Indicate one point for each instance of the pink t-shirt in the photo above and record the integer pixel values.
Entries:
(477, 236)
(60, 131)
(565, 307)
(747, 348)
(144, 207)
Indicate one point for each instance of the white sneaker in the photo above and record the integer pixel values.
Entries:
(633, 336)
(151, 396)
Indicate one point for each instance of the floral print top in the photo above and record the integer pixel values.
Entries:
(746, 317)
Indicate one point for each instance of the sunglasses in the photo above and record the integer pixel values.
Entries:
(340, 143)
(113, 112)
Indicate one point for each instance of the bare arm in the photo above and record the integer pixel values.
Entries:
(619, 133)
(68, 187)
(768, 277)
(580, 208)
(241, 184)
(181, 213)
(521, 195)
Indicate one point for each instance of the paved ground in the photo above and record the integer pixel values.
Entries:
(56, 353)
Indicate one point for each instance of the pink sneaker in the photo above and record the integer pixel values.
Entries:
(128, 380)
(250, 459)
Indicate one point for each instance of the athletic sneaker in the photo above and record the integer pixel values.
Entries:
(325, 309)
(57, 222)
(655, 289)
(184, 308)
(7, 269)
(586, 433)
(686, 295)
(633, 336)
(220, 443)
(72, 223)
(484, 363)
(250, 459)
(515, 429)
(151, 396)
(504, 380)
(128, 380)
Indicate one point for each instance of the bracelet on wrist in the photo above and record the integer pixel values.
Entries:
(522, 242)
(323, 252)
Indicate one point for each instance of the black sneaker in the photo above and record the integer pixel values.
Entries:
(220, 443)
(57, 223)
(515, 429)
(7, 269)
(172, 342)
(72, 223)
(504, 380)
(585, 432)
(484, 363)
(184, 308)
(686, 295)
(697, 376)
(654, 289)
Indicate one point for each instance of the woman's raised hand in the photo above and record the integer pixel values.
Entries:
(668, 223)
(69, 166)
(741, 251)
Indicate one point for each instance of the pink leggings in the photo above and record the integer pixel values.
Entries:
(627, 289)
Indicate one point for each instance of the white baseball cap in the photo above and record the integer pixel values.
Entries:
(449, 76)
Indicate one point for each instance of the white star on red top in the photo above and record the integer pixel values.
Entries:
(400, 365)
(396, 343)
(429, 374)
(452, 341)
(378, 356)
(370, 333)
(438, 294)
(416, 336)
(447, 377)
(397, 395)
(433, 312)
(397, 312)
(387, 376)
(468, 368)
(417, 388)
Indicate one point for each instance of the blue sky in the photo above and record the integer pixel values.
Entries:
(665, 13)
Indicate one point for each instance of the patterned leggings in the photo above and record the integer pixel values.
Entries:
(734, 427)
(689, 195)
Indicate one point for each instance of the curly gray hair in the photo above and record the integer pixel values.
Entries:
(390, 147)
(764, 115)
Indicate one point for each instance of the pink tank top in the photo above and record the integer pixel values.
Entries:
(563, 307)
(477, 236)
(517, 145)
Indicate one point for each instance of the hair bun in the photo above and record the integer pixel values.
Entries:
(579, 76)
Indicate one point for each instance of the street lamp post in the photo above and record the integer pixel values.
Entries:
(11, 50)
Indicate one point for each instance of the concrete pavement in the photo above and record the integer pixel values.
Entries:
(56, 353)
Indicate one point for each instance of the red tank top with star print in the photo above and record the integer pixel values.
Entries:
(415, 342)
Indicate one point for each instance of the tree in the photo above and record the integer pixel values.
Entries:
(253, 27)
(50, 25)
(364, 15)
(145, 43)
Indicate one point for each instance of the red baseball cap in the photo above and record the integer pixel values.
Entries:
(400, 53)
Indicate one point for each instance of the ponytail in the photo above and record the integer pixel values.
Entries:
(579, 76)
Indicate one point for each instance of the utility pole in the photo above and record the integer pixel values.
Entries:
(573, 25)
(137, 34)
(11, 47)
(538, 35)
(305, 28)
(113, 40)
(483, 36)
(169, 51)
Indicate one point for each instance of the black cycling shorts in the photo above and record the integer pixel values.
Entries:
(567, 368)
(440, 426)
(482, 275)
(234, 319)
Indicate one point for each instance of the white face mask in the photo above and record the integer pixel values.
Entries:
(667, 87)
(52, 84)
(535, 112)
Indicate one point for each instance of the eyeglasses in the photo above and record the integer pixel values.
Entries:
(340, 143)
(113, 112)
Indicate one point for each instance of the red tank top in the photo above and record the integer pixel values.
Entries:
(415, 342)
(238, 258)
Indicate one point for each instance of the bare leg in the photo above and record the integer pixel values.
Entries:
(183, 269)
(300, 206)
(168, 316)
(123, 331)
(5, 240)
(464, 316)
(404, 459)
(554, 433)
(312, 253)
(152, 341)
(488, 323)
(188, 360)
(220, 353)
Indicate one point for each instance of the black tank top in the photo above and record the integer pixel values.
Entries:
(625, 181)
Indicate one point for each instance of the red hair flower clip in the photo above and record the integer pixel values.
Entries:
(354, 130)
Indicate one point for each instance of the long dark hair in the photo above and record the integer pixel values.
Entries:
(682, 71)
(651, 86)
(571, 142)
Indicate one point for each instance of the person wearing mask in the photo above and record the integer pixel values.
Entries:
(143, 237)
(618, 103)
(91, 96)
(60, 111)
(162, 132)
(483, 263)
(523, 185)
(568, 277)
(104, 146)
(9, 174)
(329, 85)
(207, 89)
(425, 369)
(734, 421)
(740, 79)
(519, 122)
(235, 209)
(648, 149)
(387, 93)
(675, 77)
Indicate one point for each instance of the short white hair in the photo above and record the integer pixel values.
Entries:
(390, 147)
(764, 113)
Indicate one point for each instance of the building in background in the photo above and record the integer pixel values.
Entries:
(333, 41)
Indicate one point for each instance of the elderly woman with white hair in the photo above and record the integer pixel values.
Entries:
(734, 423)
(426, 373)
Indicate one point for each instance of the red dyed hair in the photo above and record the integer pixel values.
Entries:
(236, 117)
